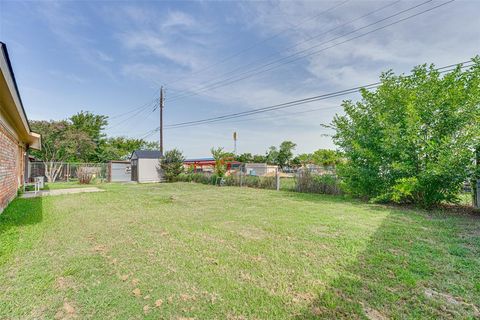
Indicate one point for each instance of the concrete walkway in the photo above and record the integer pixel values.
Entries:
(42, 193)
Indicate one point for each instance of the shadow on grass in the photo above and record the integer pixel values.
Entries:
(413, 267)
(19, 213)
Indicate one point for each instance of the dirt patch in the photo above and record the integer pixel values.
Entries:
(449, 299)
(64, 283)
(303, 297)
(136, 292)
(373, 314)
(158, 303)
(100, 248)
(68, 311)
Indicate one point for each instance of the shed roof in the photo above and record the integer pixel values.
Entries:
(147, 154)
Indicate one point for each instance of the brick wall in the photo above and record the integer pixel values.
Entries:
(11, 167)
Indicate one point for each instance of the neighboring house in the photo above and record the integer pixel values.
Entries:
(15, 134)
(145, 166)
(260, 169)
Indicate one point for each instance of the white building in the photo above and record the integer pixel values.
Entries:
(146, 166)
(260, 169)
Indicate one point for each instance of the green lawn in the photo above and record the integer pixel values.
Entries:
(183, 250)
(68, 185)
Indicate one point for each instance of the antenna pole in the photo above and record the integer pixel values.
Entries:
(161, 121)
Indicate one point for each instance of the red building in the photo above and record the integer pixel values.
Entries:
(207, 164)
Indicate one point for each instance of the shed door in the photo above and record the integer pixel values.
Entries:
(134, 170)
(121, 172)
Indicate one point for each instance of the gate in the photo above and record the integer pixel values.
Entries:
(119, 171)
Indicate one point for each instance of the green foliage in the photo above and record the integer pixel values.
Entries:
(92, 124)
(172, 164)
(258, 158)
(314, 183)
(119, 148)
(326, 157)
(81, 138)
(221, 157)
(61, 141)
(244, 157)
(302, 159)
(281, 156)
(413, 139)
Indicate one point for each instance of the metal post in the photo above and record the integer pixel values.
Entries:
(161, 121)
(277, 178)
(242, 167)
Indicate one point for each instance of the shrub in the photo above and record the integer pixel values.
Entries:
(314, 183)
(85, 175)
(412, 140)
(172, 164)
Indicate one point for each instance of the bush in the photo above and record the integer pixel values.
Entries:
(314, 183)
(85, 175)
(172, 164)
(413, 139)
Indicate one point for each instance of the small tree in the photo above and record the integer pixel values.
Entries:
(172, 164)
(220, 157)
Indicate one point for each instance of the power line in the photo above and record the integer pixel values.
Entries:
(241, 67)
(232, 79)
(261, 41)
(152, 103)
(299, 101)
(132, 110)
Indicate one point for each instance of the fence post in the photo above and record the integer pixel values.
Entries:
(277, 179)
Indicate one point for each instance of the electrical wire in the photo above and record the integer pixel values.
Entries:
(293, 103)
(249, 74)
(262, 41)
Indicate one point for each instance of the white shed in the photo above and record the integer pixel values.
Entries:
(146, 166)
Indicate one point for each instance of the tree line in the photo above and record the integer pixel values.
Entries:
(414, 139)
(81, 138)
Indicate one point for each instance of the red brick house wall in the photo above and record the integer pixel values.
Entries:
(11, 167)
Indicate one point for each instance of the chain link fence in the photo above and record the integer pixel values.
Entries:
(65, 171)
(312, 179)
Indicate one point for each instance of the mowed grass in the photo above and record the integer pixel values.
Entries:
(182, 250)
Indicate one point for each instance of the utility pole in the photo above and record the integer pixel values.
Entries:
(161, 121)
(235, 143)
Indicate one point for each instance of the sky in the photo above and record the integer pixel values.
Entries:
(215, 58)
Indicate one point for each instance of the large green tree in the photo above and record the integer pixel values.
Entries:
(92, 125)
(61, 142)
(412, 139)
(81, 138)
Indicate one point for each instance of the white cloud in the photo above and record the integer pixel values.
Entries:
(178, 19)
